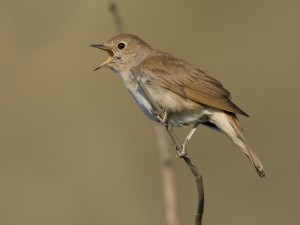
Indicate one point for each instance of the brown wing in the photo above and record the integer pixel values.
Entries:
(187, 81)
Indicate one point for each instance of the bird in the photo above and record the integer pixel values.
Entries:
(187, 94)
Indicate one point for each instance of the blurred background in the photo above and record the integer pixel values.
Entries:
(74, 147)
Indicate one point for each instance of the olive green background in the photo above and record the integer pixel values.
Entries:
(74, 147)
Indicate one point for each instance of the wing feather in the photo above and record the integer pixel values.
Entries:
(169, 72)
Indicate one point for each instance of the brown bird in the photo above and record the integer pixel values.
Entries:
(187, 94)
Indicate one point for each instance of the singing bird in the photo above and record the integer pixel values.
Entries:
(186, 93)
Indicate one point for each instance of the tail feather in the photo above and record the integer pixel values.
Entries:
(228, 123)
(241, 142)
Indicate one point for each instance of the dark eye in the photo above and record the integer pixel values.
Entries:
(121, 45)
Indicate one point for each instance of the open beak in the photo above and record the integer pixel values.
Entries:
(109, 51)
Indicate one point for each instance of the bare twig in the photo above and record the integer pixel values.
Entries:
(114, 11)
(168, 177)
(179, 149)
(167, 161)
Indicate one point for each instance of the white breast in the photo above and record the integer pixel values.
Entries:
(138, 95)
(176, 106)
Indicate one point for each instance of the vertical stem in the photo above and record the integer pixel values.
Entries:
(114, 11)
(167, 164)
(168, 177)
(168, 174)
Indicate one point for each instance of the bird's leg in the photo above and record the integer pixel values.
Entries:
(188, 137)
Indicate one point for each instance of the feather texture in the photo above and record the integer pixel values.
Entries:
(186, 80)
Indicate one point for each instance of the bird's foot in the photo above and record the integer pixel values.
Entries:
(182, 153)
(162, 118)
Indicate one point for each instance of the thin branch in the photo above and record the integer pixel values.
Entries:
(198, 177)
(168, 177)
(114, 11)
(187, 159)
(168, 173)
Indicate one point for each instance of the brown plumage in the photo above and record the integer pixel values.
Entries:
(198, 86)
(188, 95)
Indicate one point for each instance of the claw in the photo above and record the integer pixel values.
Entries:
(162, 120)
(183, 153)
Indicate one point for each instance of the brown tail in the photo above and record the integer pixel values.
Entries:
(228, 123)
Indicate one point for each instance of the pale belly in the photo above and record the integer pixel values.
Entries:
(181, 112)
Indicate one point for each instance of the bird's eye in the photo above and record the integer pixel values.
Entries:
(121, 45)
